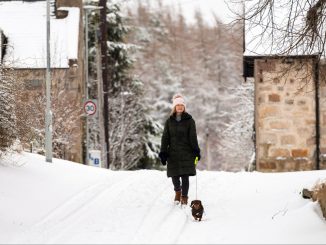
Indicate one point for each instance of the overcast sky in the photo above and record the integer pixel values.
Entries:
(219, 7)
(208, 7)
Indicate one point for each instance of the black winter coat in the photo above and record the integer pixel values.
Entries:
(179, 141)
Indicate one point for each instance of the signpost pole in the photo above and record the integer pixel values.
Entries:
(86, 82)
(88, 9)
(90, 109)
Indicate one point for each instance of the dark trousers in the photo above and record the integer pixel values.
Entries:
(184, 186)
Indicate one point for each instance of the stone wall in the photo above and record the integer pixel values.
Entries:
(66, 107)
(285, 115)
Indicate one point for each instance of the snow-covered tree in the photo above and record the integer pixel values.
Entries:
(66, 120)
(66, 115)
(204, 63)
(31, 130)
(155, 67)
(130, 129)
(8, 131)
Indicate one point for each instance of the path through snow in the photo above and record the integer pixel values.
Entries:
(79, 204)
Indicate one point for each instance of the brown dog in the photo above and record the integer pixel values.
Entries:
(197, 209)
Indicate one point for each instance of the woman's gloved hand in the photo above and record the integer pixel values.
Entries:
(197, 154)
(164, 157)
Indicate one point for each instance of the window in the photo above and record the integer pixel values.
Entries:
(71, 84)
(33, 84)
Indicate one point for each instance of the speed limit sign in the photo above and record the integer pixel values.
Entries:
(90, 107)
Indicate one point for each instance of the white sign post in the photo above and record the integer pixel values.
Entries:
(95, 158)
(90, 107)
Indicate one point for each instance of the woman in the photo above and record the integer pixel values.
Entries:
(179, 148)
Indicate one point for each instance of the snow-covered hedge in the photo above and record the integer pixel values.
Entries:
(7, 111)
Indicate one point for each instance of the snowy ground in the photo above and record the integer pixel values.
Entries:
(66, 202)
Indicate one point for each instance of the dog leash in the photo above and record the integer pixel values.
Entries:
(196, 187)
(196, 161)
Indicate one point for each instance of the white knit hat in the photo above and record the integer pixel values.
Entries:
(178, 100)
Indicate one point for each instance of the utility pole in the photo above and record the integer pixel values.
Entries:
(48, 112)
(100, 97)
(104, 60)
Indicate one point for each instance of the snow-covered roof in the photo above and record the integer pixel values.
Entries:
(24, 23)
(263, 38)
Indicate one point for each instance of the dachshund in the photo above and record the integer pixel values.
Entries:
(197, 209)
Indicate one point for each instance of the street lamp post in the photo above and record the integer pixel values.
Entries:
(100, 99)
(48, 112)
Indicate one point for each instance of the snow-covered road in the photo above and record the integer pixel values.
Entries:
(70, 203)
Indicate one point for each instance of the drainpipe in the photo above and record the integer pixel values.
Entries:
(316, 78)
(1, 44)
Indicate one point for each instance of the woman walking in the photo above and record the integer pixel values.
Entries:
(179, 148)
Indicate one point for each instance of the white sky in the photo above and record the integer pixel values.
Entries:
(219, 7)
(208, 7)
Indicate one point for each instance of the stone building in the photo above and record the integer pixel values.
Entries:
(290, 112)
(290, 90)
(24, 25)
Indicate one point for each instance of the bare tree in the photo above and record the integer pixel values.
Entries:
(127, 132)
(285, 27)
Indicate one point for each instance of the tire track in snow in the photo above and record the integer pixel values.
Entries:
(216, 205)
(168, 232)
(182, 228)
(62, 215)
(160, 221)
(159, 224)
(114, 192)
(148, 219)
(80, 199)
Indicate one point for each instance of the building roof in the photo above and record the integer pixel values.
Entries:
(24, 23)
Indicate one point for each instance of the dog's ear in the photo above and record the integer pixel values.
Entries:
(192, 204)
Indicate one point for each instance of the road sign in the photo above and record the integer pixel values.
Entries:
(94, 158)
(90, 107)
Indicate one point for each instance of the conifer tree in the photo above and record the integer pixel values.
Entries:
(129, 127)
